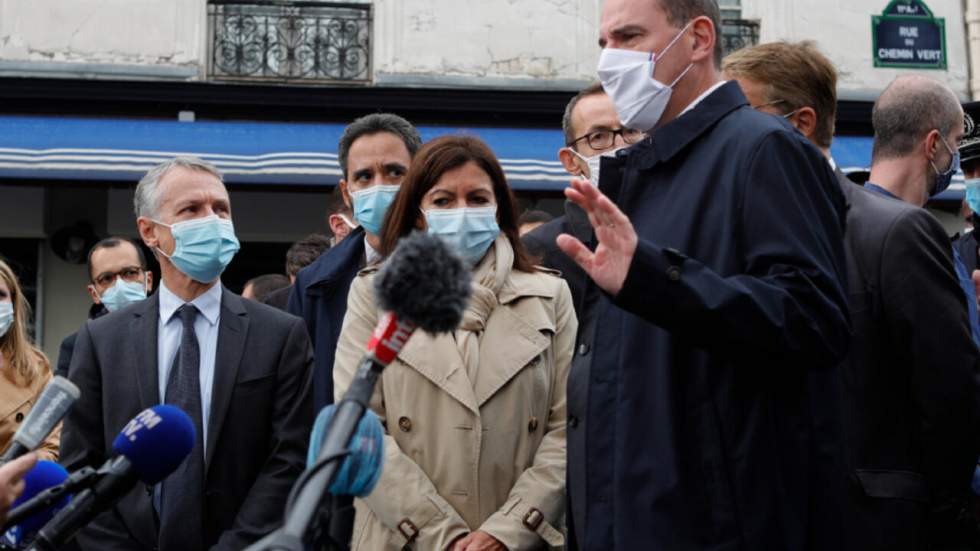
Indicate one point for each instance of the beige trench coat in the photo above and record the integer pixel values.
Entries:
(16, 402)
(460, 456)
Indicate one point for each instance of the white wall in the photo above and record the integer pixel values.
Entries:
(842, 29)
(135, 38)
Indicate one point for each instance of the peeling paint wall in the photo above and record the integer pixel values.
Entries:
(842, 30)
(166, 34)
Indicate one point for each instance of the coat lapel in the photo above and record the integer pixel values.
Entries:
(523, 345)
(147, 324)
(232, 331)
(448, 373)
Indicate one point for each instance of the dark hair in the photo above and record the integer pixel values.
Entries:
(111, 243)
(566, 119)
(794, 75)
(303, 252)
(910, 108)
(265, 285)
(373, 124)
(336, 204)
(435, 159)
(534, 217)
(681, 12)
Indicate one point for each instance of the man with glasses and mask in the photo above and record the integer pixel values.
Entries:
(117, 278)
(717, 270)
(911, 350)
(592, 130)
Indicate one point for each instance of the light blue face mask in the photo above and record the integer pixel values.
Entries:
(370, 206)
(203, 247)
(973, 194)
(468, 231)
(123, 293)
(6, 317)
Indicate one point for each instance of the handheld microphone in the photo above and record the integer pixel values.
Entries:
(359, 472)
(150, 447)
(44, 475)
(74, 483)
(424, 285)
(51, 407)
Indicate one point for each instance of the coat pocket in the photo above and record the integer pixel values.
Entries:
(893, 484)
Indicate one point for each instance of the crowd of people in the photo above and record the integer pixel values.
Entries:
(723, 342)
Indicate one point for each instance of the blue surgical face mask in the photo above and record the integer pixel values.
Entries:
(371, 204)
(6, 317)
(973, 194)
(943, 179)
(203, 247)
(123, 293)
(468, 231)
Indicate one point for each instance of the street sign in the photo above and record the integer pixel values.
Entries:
(907, 36)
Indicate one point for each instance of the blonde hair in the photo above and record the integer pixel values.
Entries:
(795, 74)
(23, 362)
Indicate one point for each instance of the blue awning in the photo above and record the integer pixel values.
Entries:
(246, 152)
(853, 153)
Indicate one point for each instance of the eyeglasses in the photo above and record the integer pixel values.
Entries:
(131, 274)
(604, 139)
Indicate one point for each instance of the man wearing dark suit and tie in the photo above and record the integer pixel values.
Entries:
(241, 370)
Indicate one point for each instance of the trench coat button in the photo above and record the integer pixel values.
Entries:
(405, 424)
(19, 417)
(583, 349)
(572, 421)
(532, 425)
(674, 273)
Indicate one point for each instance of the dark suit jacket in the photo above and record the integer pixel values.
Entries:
(540, 242)
(68, 344)
(279, 298)
(910, 378)
(726, 334)
(261, 415)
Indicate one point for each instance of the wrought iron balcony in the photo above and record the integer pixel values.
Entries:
(738, 33)
(278, 41)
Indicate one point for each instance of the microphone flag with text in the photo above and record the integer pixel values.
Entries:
(51, 407)
(150, 447)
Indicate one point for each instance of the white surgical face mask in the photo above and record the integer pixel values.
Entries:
(627, 76)
(594, 162)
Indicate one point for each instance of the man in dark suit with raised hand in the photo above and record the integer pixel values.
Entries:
(241, 371)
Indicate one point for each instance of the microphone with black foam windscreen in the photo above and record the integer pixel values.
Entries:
(51, 407)
(150, 447)
(44, 475)
(424, 285)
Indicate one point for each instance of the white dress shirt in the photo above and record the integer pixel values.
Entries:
(370, 254)
(171, 329)
(701, 98)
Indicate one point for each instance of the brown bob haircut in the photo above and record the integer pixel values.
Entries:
(436, 158)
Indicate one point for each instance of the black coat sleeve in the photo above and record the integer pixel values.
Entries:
(83, 442)
(262, 510)
(925, 311)
(787, 299)
(64, 355)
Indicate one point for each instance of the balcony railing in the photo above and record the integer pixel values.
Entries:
(738, 33)
(289, 41)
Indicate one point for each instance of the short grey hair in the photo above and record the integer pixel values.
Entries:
(566, 119)
(146, 201)
(910, 108)
(376, 123)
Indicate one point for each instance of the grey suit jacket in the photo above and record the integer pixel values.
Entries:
(261, 415)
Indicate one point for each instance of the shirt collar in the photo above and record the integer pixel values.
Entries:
(879, 190)
(833, 163)
(700, 98)
(208, 304)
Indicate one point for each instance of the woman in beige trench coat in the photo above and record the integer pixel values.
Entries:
(475, 420)
(24, 370)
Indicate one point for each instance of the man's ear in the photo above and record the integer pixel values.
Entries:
(570, 162)
(94, 294)
(931, 145)
(149, 282)
(337, 225)
(345, 194)
(705, 35)
(147, 231)
(805, 120)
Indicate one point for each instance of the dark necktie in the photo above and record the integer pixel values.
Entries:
(182, 504)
